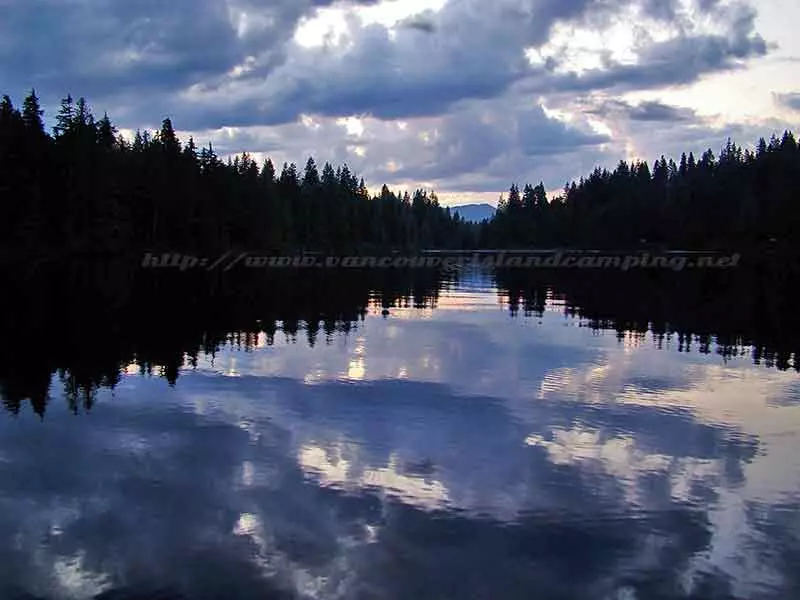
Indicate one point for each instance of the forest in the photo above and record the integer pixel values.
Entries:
(742, 199)
(84, 189)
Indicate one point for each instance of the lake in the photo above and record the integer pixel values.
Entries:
(493, 436)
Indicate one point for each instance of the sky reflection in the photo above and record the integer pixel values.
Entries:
(457, 452)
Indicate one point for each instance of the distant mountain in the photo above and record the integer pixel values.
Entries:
(474, 212)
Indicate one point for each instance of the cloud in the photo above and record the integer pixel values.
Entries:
(678, 61)
(431, 61)
(421, 22)
(651, 128)
(664, 10)
(100, 47)
(104, 48)
(458, 77)
(480, 146)
(650, 110)
(790, 100)
(543, 135)
(237, 65)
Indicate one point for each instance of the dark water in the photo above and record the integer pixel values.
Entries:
(475, 443)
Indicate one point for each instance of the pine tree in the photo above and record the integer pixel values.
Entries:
(106, 133)
(190, 150)
(83, 118)
(311, 175)
(168, 138)
(65, 117)
(32, 113)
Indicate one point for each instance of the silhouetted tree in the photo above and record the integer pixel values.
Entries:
(87, 189)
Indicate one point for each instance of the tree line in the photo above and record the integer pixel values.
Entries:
(743, 198)
(85, 188)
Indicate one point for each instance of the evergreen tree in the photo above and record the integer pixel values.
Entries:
(106, 133)
(65, 117)
(32, 114)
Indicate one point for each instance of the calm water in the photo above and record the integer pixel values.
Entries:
(447, 452)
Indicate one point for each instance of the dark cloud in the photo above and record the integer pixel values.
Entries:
(540, 135)
(101, 48)
(656, 111)
(662, 10)
(645, 111)
(681, 60)
(790, 100)
(424, 22)
(707, 5)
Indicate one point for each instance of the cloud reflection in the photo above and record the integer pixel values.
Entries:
(507, 454)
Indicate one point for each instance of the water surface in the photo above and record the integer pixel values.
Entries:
(451, 449)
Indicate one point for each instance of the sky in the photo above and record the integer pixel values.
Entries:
(461, 96)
